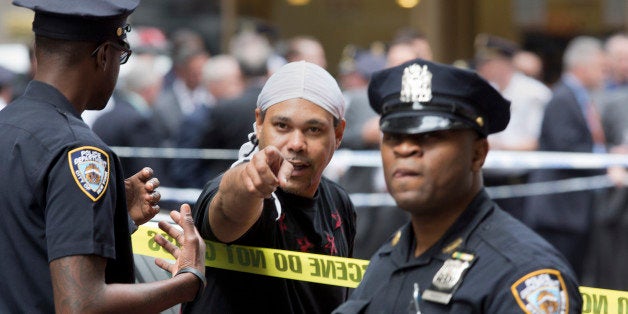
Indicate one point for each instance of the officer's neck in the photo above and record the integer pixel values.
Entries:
(428, 229)
(72, 84)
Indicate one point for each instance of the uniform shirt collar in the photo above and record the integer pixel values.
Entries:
(47, 93)
(458, 234)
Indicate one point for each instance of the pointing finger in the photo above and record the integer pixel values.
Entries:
(284, 173)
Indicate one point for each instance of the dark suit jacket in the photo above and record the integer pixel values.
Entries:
(168, 110)
(564, 129)
(125, 126)
(232, 120)
(224, 126)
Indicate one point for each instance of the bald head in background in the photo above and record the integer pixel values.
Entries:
(408, 44)
(306, 48)
(528, 63)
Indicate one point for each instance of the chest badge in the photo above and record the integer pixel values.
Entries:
(90, 170)
(449, 277)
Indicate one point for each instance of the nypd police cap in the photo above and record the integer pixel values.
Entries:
(421, 96)
(80, 20)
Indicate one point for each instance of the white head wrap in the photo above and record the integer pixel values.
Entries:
(305, 80)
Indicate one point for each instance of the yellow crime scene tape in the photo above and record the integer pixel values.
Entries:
(604, 301)
(324, 269)
(318, 268)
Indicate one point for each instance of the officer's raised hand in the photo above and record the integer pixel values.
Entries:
(190, 257)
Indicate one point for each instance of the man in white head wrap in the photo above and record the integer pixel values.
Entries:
(276, 196)
(297, 80)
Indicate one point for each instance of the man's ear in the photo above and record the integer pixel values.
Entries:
(259, 120)
(480, 150)
(339, 131)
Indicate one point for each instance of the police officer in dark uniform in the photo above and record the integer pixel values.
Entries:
(64, 203)
(460, 253)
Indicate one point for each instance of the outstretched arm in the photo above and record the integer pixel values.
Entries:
(79, 281)
(239, 200)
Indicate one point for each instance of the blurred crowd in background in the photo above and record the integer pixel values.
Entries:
(174, 93)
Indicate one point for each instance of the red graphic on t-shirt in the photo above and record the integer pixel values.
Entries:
(331, 244)
(282, 224)
(335, 216)
(304, 244)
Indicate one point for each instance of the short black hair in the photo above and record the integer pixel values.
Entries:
(65, 52)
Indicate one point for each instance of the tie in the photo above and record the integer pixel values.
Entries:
(595, 124)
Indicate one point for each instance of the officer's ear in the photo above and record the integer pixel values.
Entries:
(480, 150)
(101, 54)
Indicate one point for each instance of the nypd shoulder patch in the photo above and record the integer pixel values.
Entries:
(541, 291)
(90, 169)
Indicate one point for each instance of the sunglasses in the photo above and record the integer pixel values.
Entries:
(126, 50)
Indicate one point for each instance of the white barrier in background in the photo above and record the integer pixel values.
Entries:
(384, 199)
(495, 159)
(343, 159)
(505, 160)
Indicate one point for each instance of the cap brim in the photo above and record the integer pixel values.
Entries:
(413, 122)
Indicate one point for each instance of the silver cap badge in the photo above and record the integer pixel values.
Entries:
(416, 84)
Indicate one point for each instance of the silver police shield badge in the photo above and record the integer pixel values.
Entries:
(90, 170)
(416, 84)
(449, 275)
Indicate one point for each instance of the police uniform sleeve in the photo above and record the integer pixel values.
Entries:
(544, 290)
(80, 203)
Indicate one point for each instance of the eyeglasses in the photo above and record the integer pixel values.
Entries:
(126, 50)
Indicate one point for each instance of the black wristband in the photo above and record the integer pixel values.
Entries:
(201, 278)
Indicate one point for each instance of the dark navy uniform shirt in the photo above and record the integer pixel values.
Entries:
(324, 224)
(513, 270)
(60, 195)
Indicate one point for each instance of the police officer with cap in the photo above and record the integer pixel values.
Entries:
(460, 253)
(66, 209)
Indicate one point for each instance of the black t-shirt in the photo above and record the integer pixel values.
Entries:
(323, 225)
(60, 195)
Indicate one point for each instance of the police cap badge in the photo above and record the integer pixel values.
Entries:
(421, 96)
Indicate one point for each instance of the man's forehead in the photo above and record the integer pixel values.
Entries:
(290, 119)
(299, 109)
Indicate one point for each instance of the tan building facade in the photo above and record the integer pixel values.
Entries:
(450, 25)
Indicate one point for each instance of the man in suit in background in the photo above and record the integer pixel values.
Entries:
(570, 124)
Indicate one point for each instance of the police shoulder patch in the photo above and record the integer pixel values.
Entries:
(90, 169)
(541, 291)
